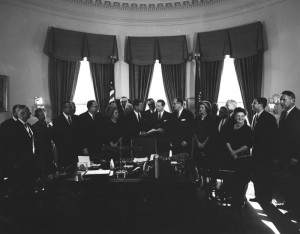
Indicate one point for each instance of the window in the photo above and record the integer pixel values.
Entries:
(157, 90)
(229, 87)
(84, 90)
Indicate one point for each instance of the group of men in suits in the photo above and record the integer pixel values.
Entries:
(172, 131)
(17, 151)
(276, 146)
(74, 135)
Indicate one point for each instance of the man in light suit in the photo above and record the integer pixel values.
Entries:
(65, 137)
(265, 137)
(289, 150)
(182, 125)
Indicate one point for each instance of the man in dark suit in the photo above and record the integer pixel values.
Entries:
(121, 105)
(64, 135)
(135, 120)
(44, 160)
(148, 113)
(161, 122)
(265, 135)
(21, 155)
(182, 125)
(6, 131)
(289, 150)
(89, 142)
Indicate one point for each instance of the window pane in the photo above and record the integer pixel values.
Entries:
(84, 90)
(229, 87)
(157, 90)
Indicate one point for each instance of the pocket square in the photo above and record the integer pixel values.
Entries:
(165, 120)
(183, 120)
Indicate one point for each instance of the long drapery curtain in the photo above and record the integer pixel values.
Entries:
(172, 53)
(208, 79)
(65, 49)
(102, 75)
(62, 77)
(139, 81)
(174, 81)
(249, 73)
(245, 45)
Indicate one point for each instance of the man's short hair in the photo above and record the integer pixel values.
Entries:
(21, 110)
(161, 101)
(90, 103)
(15, 107)
(232, 102)
(64, 103)
(123, 99)
(150, 100)
(289, 93)
(136, 102)
(37, 111)
(262, 100)
(179, 99)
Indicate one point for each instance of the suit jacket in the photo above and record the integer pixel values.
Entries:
(182, 130)
(134, 127)
(164, 122)
(43, 145)
(22, 142)
(265, 137)
(289, 135)
(6, 139)
(88, 132)
(65, 138)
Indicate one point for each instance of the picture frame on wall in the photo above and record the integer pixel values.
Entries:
(3, 93)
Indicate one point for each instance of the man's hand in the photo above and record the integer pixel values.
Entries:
(143, 134)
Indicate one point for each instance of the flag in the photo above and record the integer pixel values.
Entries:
(111, 91)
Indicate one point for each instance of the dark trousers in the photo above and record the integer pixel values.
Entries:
(262, 180)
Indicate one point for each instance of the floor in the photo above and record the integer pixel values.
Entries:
(73, 215)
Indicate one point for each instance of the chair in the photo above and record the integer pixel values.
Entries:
(146, 146)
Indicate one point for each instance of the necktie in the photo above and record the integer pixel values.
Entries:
(28, 130)
(254, 121)
(69, 120)
(283, 116)
(30, 133)
(159, 116)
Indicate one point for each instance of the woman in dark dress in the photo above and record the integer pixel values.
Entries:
(113, 128)
(238, 143)
(204, 129)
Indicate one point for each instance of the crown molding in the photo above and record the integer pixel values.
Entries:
(109, 15)
(143, 5)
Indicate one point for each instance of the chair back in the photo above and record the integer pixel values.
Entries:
(146, 146)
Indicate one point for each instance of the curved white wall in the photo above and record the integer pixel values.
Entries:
(23, 31)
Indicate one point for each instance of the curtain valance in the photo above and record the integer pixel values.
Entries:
(141, 50)
(238, 42)
(145, 50)
(74, 46)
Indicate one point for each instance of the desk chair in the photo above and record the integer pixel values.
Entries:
(147, 145)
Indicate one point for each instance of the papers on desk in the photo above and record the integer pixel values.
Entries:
(97, 172)
(84, 160)
(140, 160)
